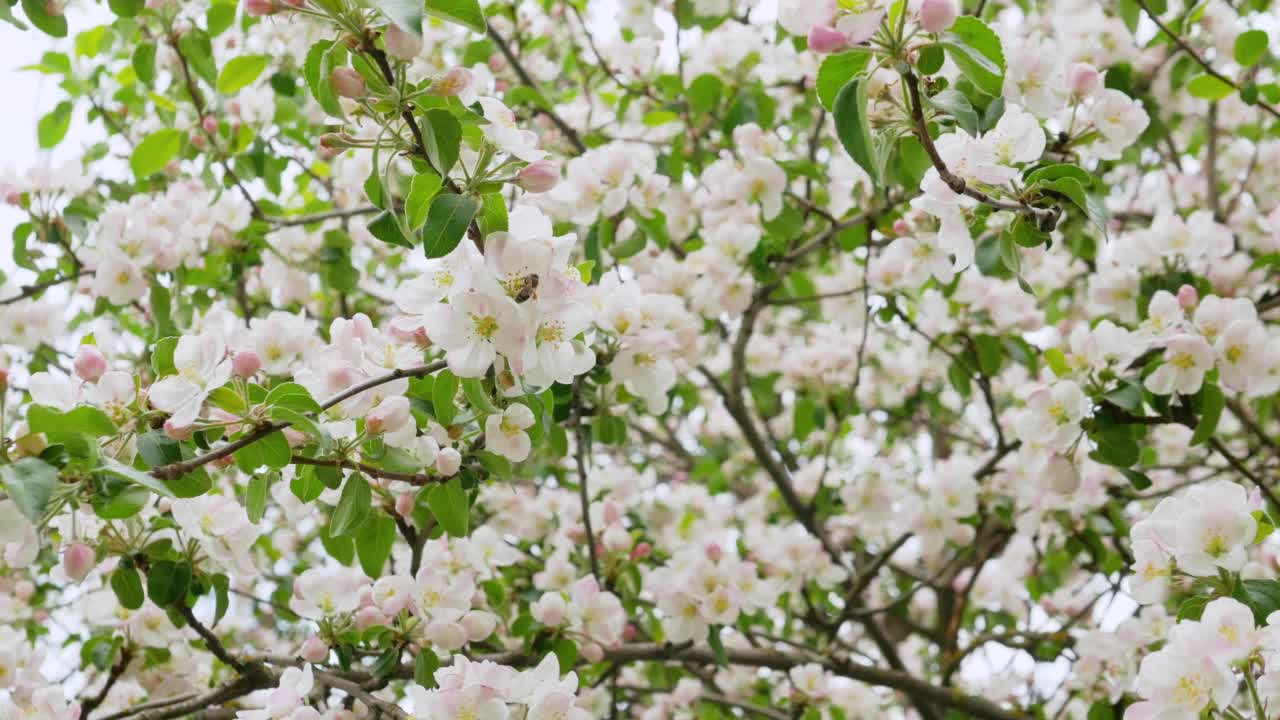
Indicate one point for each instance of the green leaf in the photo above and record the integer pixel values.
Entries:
(386, 228)
(340, 547)
(321, 59)
(1262, 597)
(1068, 187)
(306, 486)
(1138, 480)
(144, 62)
(255, 497)
(1192, 608)
(83, 419)
(422, 189)
(444, 393)
(354, 506)
(493, 214)
(990, 354)
(425, 666)
(167, 582)
(38, 13)
(443, 140)
(292, 396)
(302, 423)
(717, 646)
(705, 91)
(1116, 446)
(221, 594)
(53, 127)
(1208, 87)
(448, 503)
(1057, 362)
(126, 8)
(466, 13)
(239, 72)
(155, 151)
(566, 651)
(1059, 170)
(1251, 47)
(128, 472)
(976, 51)
(957, 106)
(474, 390)
(850, 112)
(836, 71)
(1265, 526)
(1211, 404)
(30, 483)
(374, 543)
(271, 450)
(162, 356)
(447, 223)
(197, 48)
(127, 585)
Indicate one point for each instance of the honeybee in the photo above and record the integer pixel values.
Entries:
(526, 288)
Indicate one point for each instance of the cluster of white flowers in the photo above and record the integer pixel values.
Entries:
(705, 586)
(160, 233)
(1207, 528)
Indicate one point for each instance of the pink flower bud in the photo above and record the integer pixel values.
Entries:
(630, 632)
(89, 363)
(641, 551)
(177, 433)
(78, 560)
(348, 83)
(497, 62)
(369, 617)
(538, 176)
(246, 364)
(1082, 79)
(714, 551)
(24, 590)
(612, 512)
(314, 650)
(448, 461)
(404, 504)
(900, 227)
(447, 635)
(210, 124)
(4, 379)
(617, 539)
(1188, 297)
(1061, 475)
(295, 438)
(260, 8)
(593, 652)
(479, 624)
(938, 15)
(402, 44)
(549, 609)
(824, 39)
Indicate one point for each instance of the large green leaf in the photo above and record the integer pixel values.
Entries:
(448, 503)
(354, 506)
(976, 50)
(850, 112)
(155, 151)
(447, 222)
(239, 72)
(128, 472)
(836, 71)
(466, 13)
(30, 483)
